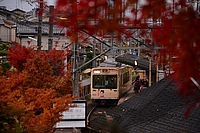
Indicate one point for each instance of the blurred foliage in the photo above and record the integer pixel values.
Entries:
(5, 66)
(3, 49)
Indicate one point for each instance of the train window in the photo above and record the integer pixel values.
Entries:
(98, 81)
(104, 81)
(126, 77)
(111, 81)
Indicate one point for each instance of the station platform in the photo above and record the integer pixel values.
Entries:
(126, 96)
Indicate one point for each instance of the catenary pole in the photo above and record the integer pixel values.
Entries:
(75, 77)
(50, 40)
(40, 10)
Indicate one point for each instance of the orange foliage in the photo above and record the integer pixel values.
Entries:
(17, 55)
(1, 70)
(43, 109)
(38, 71)
(56, 58)
(32, 99)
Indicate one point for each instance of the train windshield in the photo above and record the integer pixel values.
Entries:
(104, 81)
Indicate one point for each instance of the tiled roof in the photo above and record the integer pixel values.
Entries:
(18, 10)
(31, 28)
(8, 22)
(156, 109)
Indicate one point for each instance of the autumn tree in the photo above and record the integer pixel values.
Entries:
(32, 110)
(21, 57)
(33, 98)
(57, 58)
(41, 72)
(18, 54)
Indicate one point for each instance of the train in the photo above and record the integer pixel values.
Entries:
(109, 82)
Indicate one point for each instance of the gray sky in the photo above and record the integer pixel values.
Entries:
(22, 4)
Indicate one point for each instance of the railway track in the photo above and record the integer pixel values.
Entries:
(97, 111)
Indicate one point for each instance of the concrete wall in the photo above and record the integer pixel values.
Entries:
(7, 33)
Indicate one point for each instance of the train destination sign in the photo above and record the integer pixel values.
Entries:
(75, 116)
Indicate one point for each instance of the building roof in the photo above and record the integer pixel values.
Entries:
(156, 109)
(142, 63)
(17, 10)
(28, 27)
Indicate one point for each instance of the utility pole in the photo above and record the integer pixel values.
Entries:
(75, 77)
(94, 53)
(50, 40)
(112, 45)
(40, 11)
(157, 76)
(149, 71)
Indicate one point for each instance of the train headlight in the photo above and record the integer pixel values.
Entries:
(96, 71)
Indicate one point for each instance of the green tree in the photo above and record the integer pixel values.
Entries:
(3, 49)
(5, 66)
(3, 53)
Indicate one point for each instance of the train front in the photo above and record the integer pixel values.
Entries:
(104, 86)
